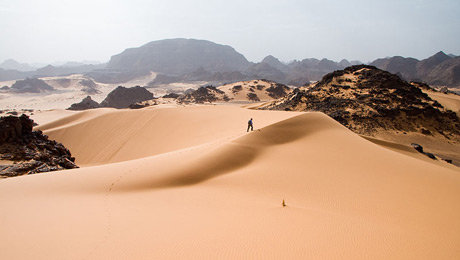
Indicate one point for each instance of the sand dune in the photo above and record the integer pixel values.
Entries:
(131, 134)
(217, 191)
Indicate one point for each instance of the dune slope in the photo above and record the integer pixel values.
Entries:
(346, 197)
(105, 136)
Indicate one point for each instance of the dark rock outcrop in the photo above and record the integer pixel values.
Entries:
(24, 151)
(122, 97)
(86, 103)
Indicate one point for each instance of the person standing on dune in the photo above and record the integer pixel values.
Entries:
(250, 125)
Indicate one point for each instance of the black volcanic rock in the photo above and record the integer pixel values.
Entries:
(366, 99)
(31, 85)
(122, 97)
(86, 103)
(29, 151)
(180, 56)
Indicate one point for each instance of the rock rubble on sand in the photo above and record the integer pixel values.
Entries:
(24, 151)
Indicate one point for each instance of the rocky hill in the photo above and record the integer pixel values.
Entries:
(180, 56)
(367, 99)
(31, 85)
(122, 97)
(23, 151)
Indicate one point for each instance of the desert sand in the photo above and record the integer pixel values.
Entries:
(173, 182)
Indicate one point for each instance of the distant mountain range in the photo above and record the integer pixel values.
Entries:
(14, 65)
(186, 60)
(439, 69)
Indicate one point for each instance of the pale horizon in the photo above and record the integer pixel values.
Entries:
(53, 31)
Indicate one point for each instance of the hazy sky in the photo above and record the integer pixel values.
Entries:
(58, 30)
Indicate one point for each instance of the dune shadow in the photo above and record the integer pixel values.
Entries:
(234, 155)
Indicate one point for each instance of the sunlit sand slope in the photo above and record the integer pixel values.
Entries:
(346, 197)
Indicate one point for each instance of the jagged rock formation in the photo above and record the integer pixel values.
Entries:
(86, 103)
(202, 95)
(180, 56)
(31, 85)
(367, 99)
(122, 97)
(23, 151)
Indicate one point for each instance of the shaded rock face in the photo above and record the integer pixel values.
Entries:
(366, 99)
(31, 85)
(86, 103)
(123, 97)
(202, 95)
(23, 151)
